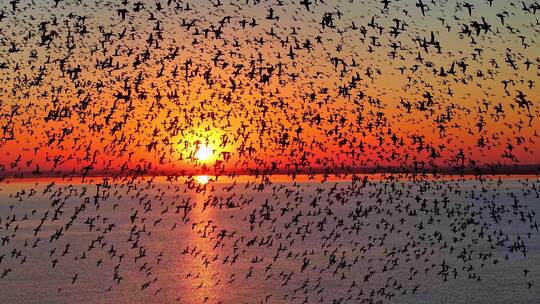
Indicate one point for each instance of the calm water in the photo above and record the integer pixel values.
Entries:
(288, 242)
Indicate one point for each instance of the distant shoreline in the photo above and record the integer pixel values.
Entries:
(500, 170)
(271, 178)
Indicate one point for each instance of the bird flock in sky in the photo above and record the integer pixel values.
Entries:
(130, 115)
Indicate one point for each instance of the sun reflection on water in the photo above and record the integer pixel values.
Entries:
(203, 179)
(206, 279)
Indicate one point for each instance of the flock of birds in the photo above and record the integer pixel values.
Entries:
(360, 104)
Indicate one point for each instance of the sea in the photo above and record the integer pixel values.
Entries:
(202, 239)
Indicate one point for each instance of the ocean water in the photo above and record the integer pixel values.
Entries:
(378, 241)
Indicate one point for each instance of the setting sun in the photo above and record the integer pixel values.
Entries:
(203, 153)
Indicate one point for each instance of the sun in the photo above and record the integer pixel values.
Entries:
(204, 153)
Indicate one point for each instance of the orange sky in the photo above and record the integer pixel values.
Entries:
(342, 102)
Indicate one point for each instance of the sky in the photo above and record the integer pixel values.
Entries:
(267, 85)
